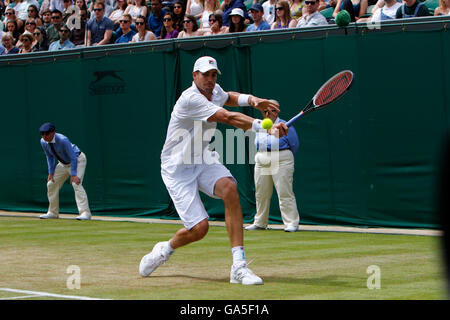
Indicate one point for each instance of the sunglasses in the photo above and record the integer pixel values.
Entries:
(177, 7)
(279, 9)
(98, 9)
(310, 2)
(212, 20)
(124, 21)
(139, 23)
(25, 39)
(167, 19)
(9, 13)
(187, 21)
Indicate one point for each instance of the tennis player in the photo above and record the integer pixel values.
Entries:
(187, 166)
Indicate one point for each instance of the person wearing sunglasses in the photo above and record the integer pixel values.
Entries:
(179, 13)
(312, 17)
(168, 30)
(21, 8)
(63, 43)
(99, 28)
(10, 15)
(33, 13)
(39, 43)
(190, 28)
(26, 39)
(143, 34)
(53, 30)
(118, 12)
(216, 26)
(125, 25)
(64, 160)
(283, 18)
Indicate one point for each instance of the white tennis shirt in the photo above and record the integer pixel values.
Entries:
(189, 132)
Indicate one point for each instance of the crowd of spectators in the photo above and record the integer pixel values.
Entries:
(41, 25)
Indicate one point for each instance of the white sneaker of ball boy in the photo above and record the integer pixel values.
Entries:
(201, 107)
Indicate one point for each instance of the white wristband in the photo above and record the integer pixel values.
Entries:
(257, 126)
(243, 100)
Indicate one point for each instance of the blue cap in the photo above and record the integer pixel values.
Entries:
(256, 7)
(46, 127)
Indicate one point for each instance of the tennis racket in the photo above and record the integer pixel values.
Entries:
(328, 93)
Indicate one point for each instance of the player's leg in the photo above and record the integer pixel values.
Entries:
(80, 193)
(263, 191)
(283, 180)
(226, 189)
(53, 187)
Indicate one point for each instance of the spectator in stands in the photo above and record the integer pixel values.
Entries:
(155, 19)
(56, 5)
(45, 5)
(179, 13)
(228, 5)
(443, 9)
(356, 8)
(216, 25)
(78, 35)
(190, 27)
(211, 6)
(30, 26)
(137, 9)
(10, 15)
(412, 9)
(67, 10)
(312, 17)
(168, 30)
(46, 19)
(118, 12)
(11, 27)
(143, 34)
(108, 7)
(26, 39)
(269, 11)
(33, 13)
(53, 30)
(39, 43)
(63, 43)
(127, 32)
(296, 8)
(8, 44)
(99, 29)
(387, 11)
(21, 8)
(283, 18)
(237, 21)
(257, 12)
(195, 8)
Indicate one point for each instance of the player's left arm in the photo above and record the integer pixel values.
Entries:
(236, 99)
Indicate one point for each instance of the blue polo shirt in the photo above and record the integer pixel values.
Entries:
(125, 38)
(67, 151)
(56, 45)
(98, 29)
(262, 26)
(155, 23)
(265, 141)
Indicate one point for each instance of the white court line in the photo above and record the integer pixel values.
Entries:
(23, 297)
(47, 294)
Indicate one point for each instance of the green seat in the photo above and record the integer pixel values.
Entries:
(432, 5)
(328, 12)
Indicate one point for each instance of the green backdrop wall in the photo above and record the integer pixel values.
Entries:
(369, 160)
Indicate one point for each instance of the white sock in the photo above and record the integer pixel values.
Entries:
(238, 254)
(169, 249)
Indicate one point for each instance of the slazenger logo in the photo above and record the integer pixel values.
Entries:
(107, 82)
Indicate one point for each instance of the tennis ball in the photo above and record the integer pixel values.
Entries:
(267, 123)
(343, 18)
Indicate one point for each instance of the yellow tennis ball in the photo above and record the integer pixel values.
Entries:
(267, 123)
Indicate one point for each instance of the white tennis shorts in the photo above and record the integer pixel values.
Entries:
(183, 182)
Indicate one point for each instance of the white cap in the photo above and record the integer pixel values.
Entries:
(238, 12)
(204, 64)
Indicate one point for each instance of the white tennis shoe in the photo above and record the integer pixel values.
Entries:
(240, 273)
(291, 229)
(154, 259)
(254, 227)
(84, 216)
(49, 215)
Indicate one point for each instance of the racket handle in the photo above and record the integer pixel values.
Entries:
(291, 122)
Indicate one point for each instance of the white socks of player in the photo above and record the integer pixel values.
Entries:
(238, 254)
